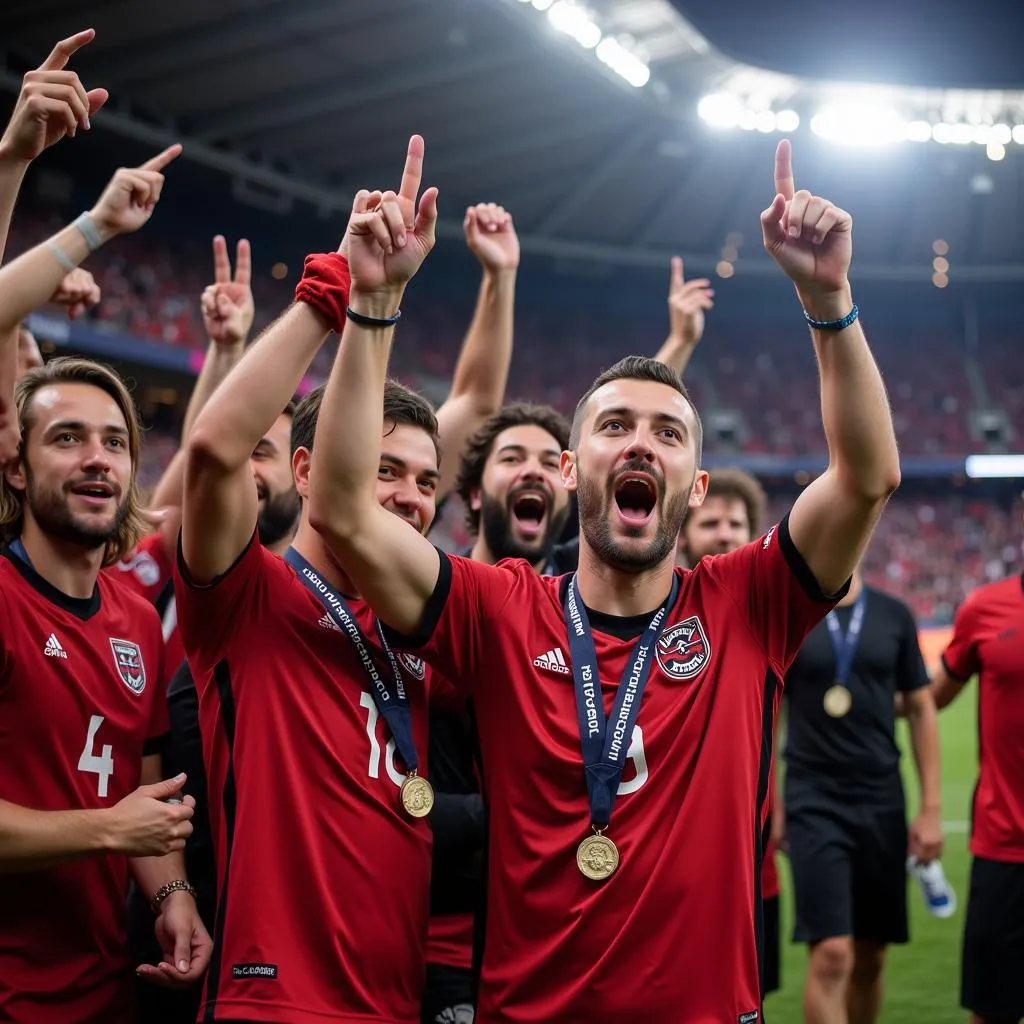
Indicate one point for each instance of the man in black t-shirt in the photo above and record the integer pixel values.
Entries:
(845, 815)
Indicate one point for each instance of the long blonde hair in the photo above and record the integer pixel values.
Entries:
(76, 370)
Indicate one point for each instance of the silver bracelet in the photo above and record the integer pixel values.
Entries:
(178, 885)
(61, 256)
(87, 227)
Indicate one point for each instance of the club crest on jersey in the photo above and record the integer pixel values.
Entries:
(130, 667)
(683, 649)
(417, 666)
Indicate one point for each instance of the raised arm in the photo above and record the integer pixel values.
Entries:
(394, 568)
(834, 517)
(126, 205)
(478, 385)
(228, 312)
(52, 103)
(687, 303)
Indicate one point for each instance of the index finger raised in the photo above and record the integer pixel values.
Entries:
(161, 160)
(677, 272)
(784, 183)
(62, 52)
(412, 175)
(221, 265)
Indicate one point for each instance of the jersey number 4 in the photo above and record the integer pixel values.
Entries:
(101, 764)
(636, 754)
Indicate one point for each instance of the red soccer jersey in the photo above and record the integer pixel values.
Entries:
(322, 879)
(148, 571)
(988, 640)
(81, 701)
(671, 936)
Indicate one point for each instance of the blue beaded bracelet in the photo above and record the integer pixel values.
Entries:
(833, 325)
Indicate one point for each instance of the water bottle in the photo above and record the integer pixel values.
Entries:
(939, 896)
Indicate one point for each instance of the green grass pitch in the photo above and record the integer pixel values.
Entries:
(923, 977)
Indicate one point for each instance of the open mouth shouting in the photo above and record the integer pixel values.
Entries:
(529, 508)
(635, 496)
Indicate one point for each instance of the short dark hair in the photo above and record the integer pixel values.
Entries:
(637, 368)
(738, 485)
(402, 405)
(478, 448)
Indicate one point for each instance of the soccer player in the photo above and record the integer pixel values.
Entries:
(988, 642)
(590, 914)
(731, 515)
(844, 809)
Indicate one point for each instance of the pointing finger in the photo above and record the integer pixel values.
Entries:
(62, 52)
(771, 223)
(413, 173)
(784, 184)
(677, 274)
(161, 160)
(221, 266)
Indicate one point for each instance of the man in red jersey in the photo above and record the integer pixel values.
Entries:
(310, 746)
(82, 688)
(731, 515)
(988, 642)
(650, 914)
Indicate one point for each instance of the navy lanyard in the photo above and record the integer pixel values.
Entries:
(846, 646)
(604, 748)
(392, 702)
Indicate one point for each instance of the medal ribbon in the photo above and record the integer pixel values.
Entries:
(604, 748)
(846, 646)
(392, 702)
(19, 549)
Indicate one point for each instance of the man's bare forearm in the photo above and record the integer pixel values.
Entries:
(855, 409)
(924, 740)
(32, 840)
(12, 174)
(258, 388)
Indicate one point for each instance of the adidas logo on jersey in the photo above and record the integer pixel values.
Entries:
(328, 623)
(553, 661)
(53, 649)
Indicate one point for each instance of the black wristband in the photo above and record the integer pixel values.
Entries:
(372, 321)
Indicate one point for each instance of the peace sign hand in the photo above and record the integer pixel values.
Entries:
(130, 198)
(52, 103)
(389, 238)
(809, 238)
(227, 304)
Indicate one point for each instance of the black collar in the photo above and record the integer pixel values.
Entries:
(83, 608)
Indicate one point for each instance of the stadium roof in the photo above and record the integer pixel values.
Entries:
(315, 98)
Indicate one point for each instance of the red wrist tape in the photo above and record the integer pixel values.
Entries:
(325, 286)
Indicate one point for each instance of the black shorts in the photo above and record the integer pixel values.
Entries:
(448, 996)
(771, 968)
(849, 863)
(992, 974)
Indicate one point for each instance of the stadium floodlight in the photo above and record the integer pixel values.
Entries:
(1018, 134)
(721, 110)
(787, 121)
(1001, 133)
(625, 64)
(994, 467)
(542, 5)
(857, 124)
(568, 17)
(765, 121)
(995, 151)
(919, 131)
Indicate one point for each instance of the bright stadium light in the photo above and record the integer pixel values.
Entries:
(787, 121)
(1018, 134)
(571, 19)
(765, 121)
(859, 125)
(919, 131)
(995, 151)
(1002, 134)
(720, 110)
(625, 64)
(988, 467)
(541, 5)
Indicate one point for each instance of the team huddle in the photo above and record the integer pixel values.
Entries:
(272, 755)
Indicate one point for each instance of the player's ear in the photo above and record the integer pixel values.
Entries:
(300, 471)
(15, 475)
(567, 469)
(475, 501)
(699, 491)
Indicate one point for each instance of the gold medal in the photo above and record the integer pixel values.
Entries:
(417, 796)
(597, 857)
(838, 701)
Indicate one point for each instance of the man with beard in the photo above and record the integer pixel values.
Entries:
(686, 839)
(81, 693)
